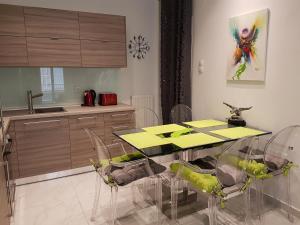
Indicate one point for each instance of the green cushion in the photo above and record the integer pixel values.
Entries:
(123, 158)
(204, 182)
(252, 167)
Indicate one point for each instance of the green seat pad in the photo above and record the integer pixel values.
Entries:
(204, 182)
(123, 158)
(252, 167)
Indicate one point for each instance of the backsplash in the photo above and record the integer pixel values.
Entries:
(60, 86)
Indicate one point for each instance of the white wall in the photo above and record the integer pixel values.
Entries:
(276, 101)
(142, 17)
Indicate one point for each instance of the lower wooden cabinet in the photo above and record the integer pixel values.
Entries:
(4, 204)
(43, 146)
(48, 145)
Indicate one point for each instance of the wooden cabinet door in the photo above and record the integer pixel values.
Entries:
(81, 148)
(102, 27)
(53, 52)
(103, 40)
(12, 20)
(13, 51)
(4, 205)
(103, 54)
(51, 23)
(43, 146)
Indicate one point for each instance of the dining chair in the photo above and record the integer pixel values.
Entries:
(146, 117)
(278, 193)
(120, 172)
(228, 189)
(181, 113)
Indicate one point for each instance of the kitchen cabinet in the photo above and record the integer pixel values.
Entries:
(103, 54)
(117, 121)
(53, 52)
(12, 21)
(49, 37)
(51, 23)
(13, 156)
(81, 148)
(13, 51)
(103, 40)
(101, 27)
(4, 203)
(43, 145)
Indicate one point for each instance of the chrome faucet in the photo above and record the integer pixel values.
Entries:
(30, 97)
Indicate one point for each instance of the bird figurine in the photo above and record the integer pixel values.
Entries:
(236, 115)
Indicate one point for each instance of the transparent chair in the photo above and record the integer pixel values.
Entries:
(279, 198)
(181, 113)
(122, 171)
(227, 190)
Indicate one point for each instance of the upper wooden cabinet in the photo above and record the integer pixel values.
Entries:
(12, 20)
(51, 23)
(13, 51)
(102, 27)
(50, 37)
(53, 52)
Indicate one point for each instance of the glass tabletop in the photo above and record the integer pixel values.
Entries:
(172, 138)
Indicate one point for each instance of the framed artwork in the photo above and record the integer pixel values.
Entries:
(248, 46)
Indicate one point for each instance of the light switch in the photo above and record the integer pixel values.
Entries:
(201, 67)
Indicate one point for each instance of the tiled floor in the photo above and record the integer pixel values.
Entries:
(68, 201)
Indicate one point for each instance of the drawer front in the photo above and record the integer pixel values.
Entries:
(86, 121)
(41, 124)
(119, 117)
(110, 128)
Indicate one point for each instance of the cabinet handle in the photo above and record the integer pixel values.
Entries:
(87, 118)
(119, 115)
(42, 122)
(120, 127)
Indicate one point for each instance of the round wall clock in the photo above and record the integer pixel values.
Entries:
(138, 47)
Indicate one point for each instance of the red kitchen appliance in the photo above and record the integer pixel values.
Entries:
(89, 98)
(108, 99)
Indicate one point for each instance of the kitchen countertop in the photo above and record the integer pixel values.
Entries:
(22, 114)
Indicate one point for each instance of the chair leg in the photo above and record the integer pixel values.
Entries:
(97, 197)
(113, 204)
(259, 200)
(158, 198)
(212, 210)
(289, 202)
(174, 198)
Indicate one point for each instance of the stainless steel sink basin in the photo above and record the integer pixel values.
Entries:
(49, 110)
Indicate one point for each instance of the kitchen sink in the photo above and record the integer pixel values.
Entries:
(49, 110)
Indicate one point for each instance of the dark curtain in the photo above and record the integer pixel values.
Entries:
(176, 26)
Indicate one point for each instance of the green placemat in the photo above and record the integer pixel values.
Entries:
(144, 140)
(205, 123)
(164, 129)
(192, 140)
(237, 132)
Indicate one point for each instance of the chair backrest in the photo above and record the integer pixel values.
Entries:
(99, 146)
(231, 164)
(146, 117)
(181, 113)
(282, 148)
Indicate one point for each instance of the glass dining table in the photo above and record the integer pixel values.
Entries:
(173, 138)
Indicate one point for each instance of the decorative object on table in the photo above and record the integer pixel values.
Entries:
(236, 117)
(138, 47)
(108, 99)
(247, 60)
(89, 97)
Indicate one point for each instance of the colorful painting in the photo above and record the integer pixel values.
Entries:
(248, 48)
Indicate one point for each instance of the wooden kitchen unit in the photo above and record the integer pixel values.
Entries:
(45, 143)
(31, 36)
